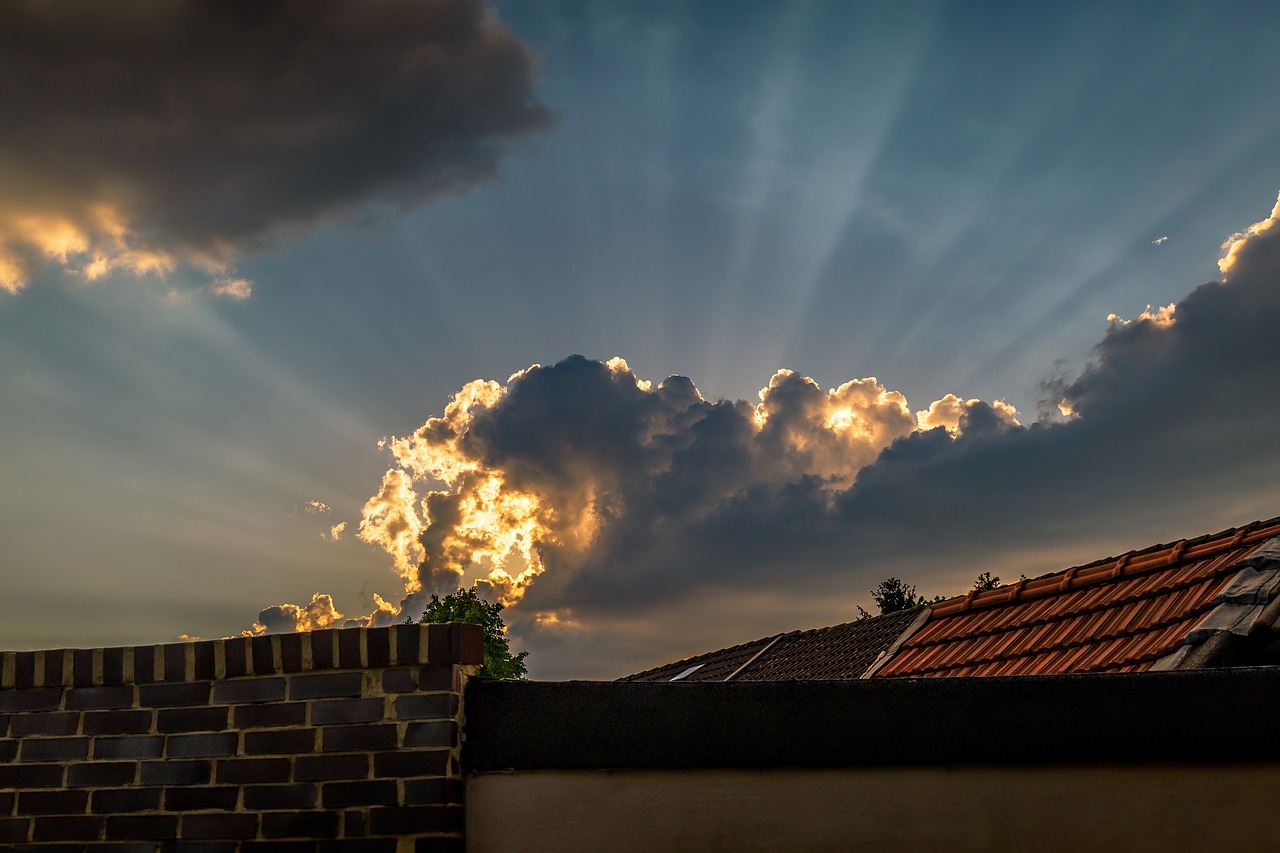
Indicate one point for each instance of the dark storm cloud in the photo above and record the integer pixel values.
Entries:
(141, 134)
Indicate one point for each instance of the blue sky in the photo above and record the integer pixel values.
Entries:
(951, 198)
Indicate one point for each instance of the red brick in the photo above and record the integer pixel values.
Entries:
(48, 723)
(64, 828)
(236, 770)
(377, 642)
(174, 695)
(427, 706)
(350, 738)
(219, 826)
(399, 680)
(437, 733)
(326, 685)
(30, 776)
(263, 797)
(125, 800)
(408, 640)
(437, 678)
(112, 666)
(117, 722)
(101, 774)
(380, 792)
(33, 699)
(324, 767)
(245, 690)
(236, 652)
(142, 826)
(347, 711)
(54, 749)
(100, 698)
(271, 716)
(280, 742)
(308, 825)
(322, 649)
(349, 649)
(175, 772)
(403, 763)
(188, 798)
(137, 746)
(262, 654)
(290, 652)
(202, 746)
(52, 802)
(191, 719)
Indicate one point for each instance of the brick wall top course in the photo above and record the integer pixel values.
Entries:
(210, 660)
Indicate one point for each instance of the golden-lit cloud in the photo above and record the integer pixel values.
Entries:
(949, 413)
(320, 613)
(335, 532)
(315, 507)
(1236, 243)
(142, 137)
(1159, 317)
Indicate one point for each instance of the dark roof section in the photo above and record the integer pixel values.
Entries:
(1122, 614)
(839, 652)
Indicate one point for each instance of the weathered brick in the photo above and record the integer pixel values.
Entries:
(113, 666)
(324, 767)
(348, 738)
(52, 802)
(426, 706)
(261, 652)
(125, 800)
(183, 799)
(54, 749)
(30, 775)
(159, 827)
(191, 719)
(271, 716)
(219, 825)
(101, 774)
(174, 695)
(380, 792)
(238, 770)
(48, 723)
(32, 699)
(426, 792)
(135, 746)
(322, 649)
(117, 722)
(415, 819)
(280, 742)
(436, 733)
(326, 685)
(349, 650)
(438, 678)
(300, 824)
(175, 772)
(175, 662)
(104, 698)
(245, 690)
(15, 829)
(399, 680)
(296, 796)
(290, 652)
(347, 711)
(402, 763)
(66, 828)
(377, 643)
(202, 746)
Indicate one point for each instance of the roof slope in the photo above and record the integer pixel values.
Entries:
(839, 652)
(1121, 614)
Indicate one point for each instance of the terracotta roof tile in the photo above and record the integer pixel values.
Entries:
(1116, 615)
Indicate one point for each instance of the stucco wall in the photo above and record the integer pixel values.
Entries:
(1041, 808)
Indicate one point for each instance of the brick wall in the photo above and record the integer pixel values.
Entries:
(343, 740)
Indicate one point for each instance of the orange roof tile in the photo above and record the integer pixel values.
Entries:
(1116, 615)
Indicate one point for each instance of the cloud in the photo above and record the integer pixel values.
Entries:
(238, 289)
(1159, 241)
(335, 532)
(315, 508)
(140, 136)
(627, 523)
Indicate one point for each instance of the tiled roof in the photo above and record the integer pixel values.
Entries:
(1116, 615)
(839, 652)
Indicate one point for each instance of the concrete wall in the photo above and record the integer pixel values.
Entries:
(1045, 808)
(348, 735)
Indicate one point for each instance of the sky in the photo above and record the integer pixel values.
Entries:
(672, 324)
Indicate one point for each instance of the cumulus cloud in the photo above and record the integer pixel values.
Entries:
(315, 508)
(140, 136)
(335, 532)
(626, 523)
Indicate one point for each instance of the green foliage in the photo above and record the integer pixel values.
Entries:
(893, 595)
(466, 605)
(986, 581)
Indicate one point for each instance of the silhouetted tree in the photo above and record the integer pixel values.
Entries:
(986, 581)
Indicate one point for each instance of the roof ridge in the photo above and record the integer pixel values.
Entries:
(1109, 568)
(695, 658)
